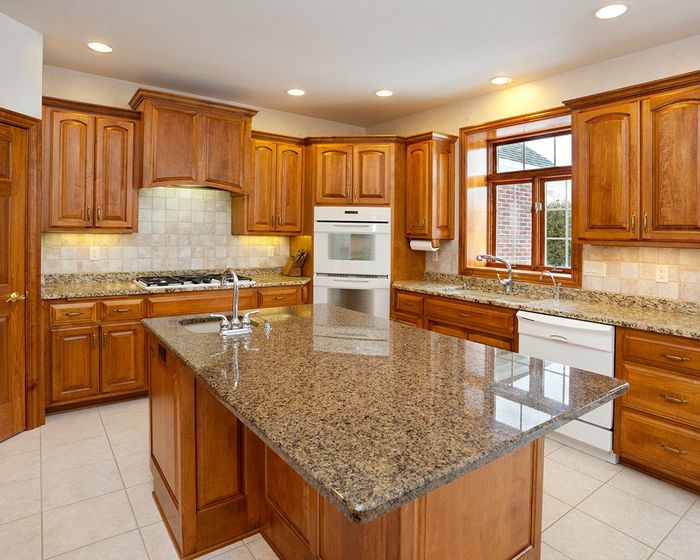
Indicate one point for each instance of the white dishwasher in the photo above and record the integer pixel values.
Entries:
(581, 345)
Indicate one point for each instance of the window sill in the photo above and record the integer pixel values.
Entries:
(572, 280)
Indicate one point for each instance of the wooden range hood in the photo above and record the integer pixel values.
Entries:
(193, 142)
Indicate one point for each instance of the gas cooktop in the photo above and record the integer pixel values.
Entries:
(187, 280)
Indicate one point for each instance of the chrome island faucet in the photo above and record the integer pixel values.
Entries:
(226, 274)
(507, 283)
(234, 327)
(557, 285)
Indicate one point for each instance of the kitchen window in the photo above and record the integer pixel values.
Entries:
(517, 197)
(529, 189)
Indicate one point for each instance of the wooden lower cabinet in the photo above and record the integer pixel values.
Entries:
(96, 349)
(486, 324)
(657, 423)
(215, 483)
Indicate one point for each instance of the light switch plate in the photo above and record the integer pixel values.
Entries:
(94, 253)
(662, 273)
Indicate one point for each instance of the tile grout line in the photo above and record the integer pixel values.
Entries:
(87, 545)
(41, 489)
(121, 477)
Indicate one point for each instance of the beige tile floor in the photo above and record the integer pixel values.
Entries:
(79, 489)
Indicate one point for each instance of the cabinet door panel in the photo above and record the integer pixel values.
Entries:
(223, 148)
(74, 364)
(671, 175)
(173, 145)
(443, 215)
(289, 188)
(333, 173)
(122, 360)
(69, 168)
(114, 173)
(372, 174)
(417, 190)
(607, 172)
(261, 202)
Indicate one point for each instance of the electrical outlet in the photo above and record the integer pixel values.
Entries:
(662, 273)
(94, 253)
(270, 251)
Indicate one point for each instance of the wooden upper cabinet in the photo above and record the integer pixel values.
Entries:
(69, 148)
(671, 166)
(89, 176)
(430, 193)
(606, 171)
(333, 173)
(275, 193)
(114, 173)
(373, 174)
(190, 141)
(290, 187)
(261, 199)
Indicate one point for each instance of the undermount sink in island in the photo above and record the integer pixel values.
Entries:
(344, 436)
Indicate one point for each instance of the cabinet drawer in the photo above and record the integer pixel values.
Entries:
(674, 395)
(486, 318)
(409, 303)
(73, 313)
(408, 319)
(178, 304)
(122, 309)
(490, 341)
(446, 329)
(659, 349)
(275, 297)
(662, 445)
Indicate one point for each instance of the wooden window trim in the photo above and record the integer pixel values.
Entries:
(485, 136)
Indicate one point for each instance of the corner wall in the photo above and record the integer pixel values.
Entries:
(20, 67)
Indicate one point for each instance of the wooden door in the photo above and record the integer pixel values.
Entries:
(74, 363)
(671, 167)
(261, 201)
(373, 174)
(114, 173)
(69, 145)
(14, 151)
(606, 172)
(418, 190)
(170, 151)
(222, 158)
(289, 188)
(122, 358)
(333, 174)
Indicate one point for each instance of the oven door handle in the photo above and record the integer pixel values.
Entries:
(350, 280)
(352, 225)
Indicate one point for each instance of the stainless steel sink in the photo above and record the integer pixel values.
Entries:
(206, 325)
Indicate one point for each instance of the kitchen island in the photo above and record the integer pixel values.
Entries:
(343, 436)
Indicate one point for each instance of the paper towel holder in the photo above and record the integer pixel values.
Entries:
(428, 245)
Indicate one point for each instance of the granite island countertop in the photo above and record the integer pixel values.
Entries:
(67, 286)
(649, 314)
(373, 413)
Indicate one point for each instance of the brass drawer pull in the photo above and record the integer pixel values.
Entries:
(464, 315)
(277, 298)
(75, 314)
(674, 450)
(674, 358)
(674, 400)
(123, 310)
(409, 303)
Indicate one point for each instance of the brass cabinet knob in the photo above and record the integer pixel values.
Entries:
(15, 297)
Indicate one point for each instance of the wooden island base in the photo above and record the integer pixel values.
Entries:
(215, 483)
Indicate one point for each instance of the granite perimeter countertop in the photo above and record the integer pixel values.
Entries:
(373, 413)
(649, 314)
(66, 286)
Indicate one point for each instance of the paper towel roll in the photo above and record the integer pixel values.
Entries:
(423, 245)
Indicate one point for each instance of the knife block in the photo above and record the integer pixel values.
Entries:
(292, 268)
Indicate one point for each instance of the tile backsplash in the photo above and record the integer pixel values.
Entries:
(179, 228)
(633, 271)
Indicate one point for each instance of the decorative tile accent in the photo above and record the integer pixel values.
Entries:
(179, 228)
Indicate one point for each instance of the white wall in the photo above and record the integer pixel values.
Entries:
(20, 67)
(79, 86)
(643, 66)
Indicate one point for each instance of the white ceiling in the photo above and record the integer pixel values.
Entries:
(429, 52)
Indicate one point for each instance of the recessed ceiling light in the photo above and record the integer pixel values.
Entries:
(611, 11)
(296, 92)
(384, 93)
(500, 80)
(100, 47)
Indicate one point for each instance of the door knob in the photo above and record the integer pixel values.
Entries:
(15, 297)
